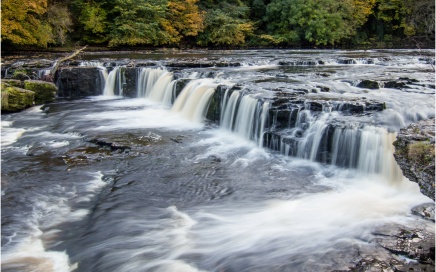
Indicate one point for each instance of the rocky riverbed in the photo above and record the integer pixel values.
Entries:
(290, 166)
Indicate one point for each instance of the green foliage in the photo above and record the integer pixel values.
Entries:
(226, 24)
(139, 22)
(318, 22)
(380, 23)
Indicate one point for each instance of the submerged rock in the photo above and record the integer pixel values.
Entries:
(415, 154)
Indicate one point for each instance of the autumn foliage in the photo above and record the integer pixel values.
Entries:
(208, 23)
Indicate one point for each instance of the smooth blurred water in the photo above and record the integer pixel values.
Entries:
(116, 184)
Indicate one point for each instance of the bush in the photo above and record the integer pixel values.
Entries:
(422, 152)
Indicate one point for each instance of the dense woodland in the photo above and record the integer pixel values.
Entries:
(218, 23)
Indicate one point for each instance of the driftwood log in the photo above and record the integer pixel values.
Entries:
(58, 62)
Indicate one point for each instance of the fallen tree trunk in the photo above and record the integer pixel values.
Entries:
(58, 63)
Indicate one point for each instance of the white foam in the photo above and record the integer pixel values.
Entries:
(9, 134)
(145, 118)
(30, 253)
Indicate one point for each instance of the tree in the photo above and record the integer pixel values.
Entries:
(22, 24)
(93, 20)
(140, 22)
(226, 24)
(316, 21)
(59, 18)
(184, 19)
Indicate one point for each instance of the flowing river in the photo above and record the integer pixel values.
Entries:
(148, 183)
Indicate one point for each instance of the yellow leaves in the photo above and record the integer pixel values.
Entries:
(362, 9)
(21, 24)
(186, 18)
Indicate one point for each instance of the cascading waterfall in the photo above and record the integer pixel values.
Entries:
(103, 77)
(368, 149)
(163, 89)
(146, 79)
(194, 99)
(114, 83)
(244, 115)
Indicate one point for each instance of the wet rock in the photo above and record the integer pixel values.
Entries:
(45, 92)
(368, 84)
(213, 112)
(415, 154)
(323, 89)
(79, 82)
(112, 146)
(409, 80)
(129, 86)
(394, 85)
(314, 106)
(414, 243)
(374, 106)
(351, 107)
(425, 210)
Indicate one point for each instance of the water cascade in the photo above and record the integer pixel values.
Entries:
(311, 136)
(244, 115)
(194, 99)
(163, 89)
(146, 79)
(300, 175)
(103, 77)
(114, 83)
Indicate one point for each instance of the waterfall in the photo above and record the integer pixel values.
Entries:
(244, 115)
(41, 73)
(147, 77)
(163, 88)
(114, 83)
(194, 99)
(368, 149)
(311, 136)
(103, 77)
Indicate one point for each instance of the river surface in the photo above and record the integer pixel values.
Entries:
(108, 183)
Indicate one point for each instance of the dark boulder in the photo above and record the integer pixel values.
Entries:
(79, 82)
(368, 84)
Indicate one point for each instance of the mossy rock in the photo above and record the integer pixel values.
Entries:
(15, 99)
(12, 83)
(21, 74)
(45, 92)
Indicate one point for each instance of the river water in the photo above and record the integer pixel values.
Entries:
(108, 183)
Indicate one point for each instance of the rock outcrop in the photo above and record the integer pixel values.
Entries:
(15, 99)
(18, 95)
(415, 154)
(45, 92)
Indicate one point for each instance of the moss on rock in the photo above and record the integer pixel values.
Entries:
(12, 83)
(45, 92)
(15, 99)
(415, 154)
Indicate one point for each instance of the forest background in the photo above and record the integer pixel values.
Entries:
(45, 24)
